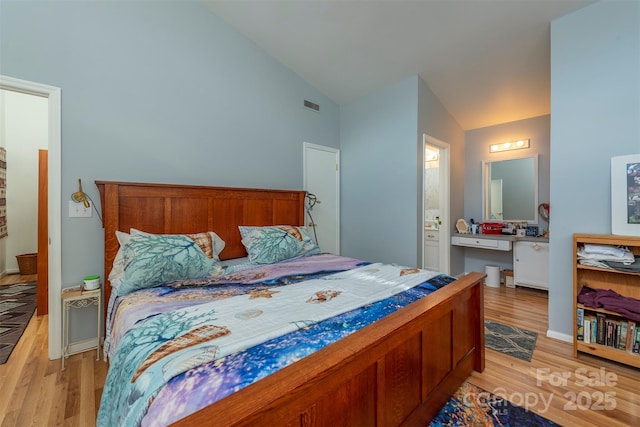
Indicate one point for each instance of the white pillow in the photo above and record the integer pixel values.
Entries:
(117, 271)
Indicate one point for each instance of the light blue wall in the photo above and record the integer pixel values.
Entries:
(435, 121)
(379, 175)
(382, 164)
(159, 92)
(477, 150)
(595, 115)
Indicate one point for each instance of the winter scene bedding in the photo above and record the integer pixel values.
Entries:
(180, 346)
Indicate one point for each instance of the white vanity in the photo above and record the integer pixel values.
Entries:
(531, 264)
(432, 249)
(510, 185)
(486, 241)
(530, 255)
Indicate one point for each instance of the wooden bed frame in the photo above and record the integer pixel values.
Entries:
(397, 371)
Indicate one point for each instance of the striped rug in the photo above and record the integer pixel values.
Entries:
(17, 304)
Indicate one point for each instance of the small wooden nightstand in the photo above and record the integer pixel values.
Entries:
(79, 299)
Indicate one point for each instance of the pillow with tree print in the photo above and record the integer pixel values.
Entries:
(266, 245)
(210, 243)
(154, 259)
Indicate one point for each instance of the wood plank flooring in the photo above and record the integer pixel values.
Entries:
(587, 391)
(34, 392)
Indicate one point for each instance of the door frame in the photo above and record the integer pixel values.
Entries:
(53, 95)
(42, 306)
(444, 240)
(336, 152)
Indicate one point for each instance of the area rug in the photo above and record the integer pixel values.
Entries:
(17, 304)
(509, 340)
(473, 406)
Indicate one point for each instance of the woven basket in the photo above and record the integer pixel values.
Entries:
(27, 263)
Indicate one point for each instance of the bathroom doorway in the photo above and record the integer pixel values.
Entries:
(436, 231)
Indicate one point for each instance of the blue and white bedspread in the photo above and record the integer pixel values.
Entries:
(170, 364)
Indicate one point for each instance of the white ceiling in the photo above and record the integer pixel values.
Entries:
(486, 60)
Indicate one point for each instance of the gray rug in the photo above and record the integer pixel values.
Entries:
(17, 304)
(509, 340)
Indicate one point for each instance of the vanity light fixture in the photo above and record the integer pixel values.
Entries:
(430, 155)
(511, 145)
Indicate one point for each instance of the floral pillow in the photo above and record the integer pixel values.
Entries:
(266, 245)
(153, 259)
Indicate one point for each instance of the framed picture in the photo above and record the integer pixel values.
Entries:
(625, 195)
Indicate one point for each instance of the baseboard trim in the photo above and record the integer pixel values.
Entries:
(560, 336)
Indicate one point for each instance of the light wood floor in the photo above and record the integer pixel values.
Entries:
(581, 392)
(33, 391)
(17, 278)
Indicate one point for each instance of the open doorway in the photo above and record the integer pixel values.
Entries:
(52, 190)
(24, 139)
(435, 201)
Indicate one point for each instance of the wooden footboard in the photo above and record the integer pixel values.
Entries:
(397, 371)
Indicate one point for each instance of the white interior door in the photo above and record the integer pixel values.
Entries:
(443, 182)
(322, 179)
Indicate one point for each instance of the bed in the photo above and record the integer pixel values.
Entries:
(398, 370)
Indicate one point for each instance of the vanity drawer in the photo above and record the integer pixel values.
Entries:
(475, 242)
(432, 235)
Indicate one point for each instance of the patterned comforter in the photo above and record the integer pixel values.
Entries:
(177, 348)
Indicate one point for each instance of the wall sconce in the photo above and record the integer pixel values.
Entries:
(80, 196)
(511, 145)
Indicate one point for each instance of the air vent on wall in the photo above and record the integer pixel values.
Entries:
(311, 106)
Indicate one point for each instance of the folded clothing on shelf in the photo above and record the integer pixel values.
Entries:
(604, 253)
(610, 300)
(625, 266)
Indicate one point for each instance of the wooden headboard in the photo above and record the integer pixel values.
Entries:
(178, 209)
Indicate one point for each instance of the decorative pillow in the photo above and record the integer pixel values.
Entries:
(153, 259)
(117, 271)
(210, 243)
(218, 245)
(266, 245)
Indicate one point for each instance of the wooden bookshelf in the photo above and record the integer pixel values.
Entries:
(624, 283)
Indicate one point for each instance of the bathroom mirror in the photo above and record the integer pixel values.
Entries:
(510, 190)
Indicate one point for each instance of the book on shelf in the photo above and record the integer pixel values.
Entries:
(594, 330)
(611, 327)
(636, 341)
(602, 333)
(580, 323)
(622, 335)
(587, 330)
(631, 335)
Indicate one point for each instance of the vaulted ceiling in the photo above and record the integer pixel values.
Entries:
(486, 60)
